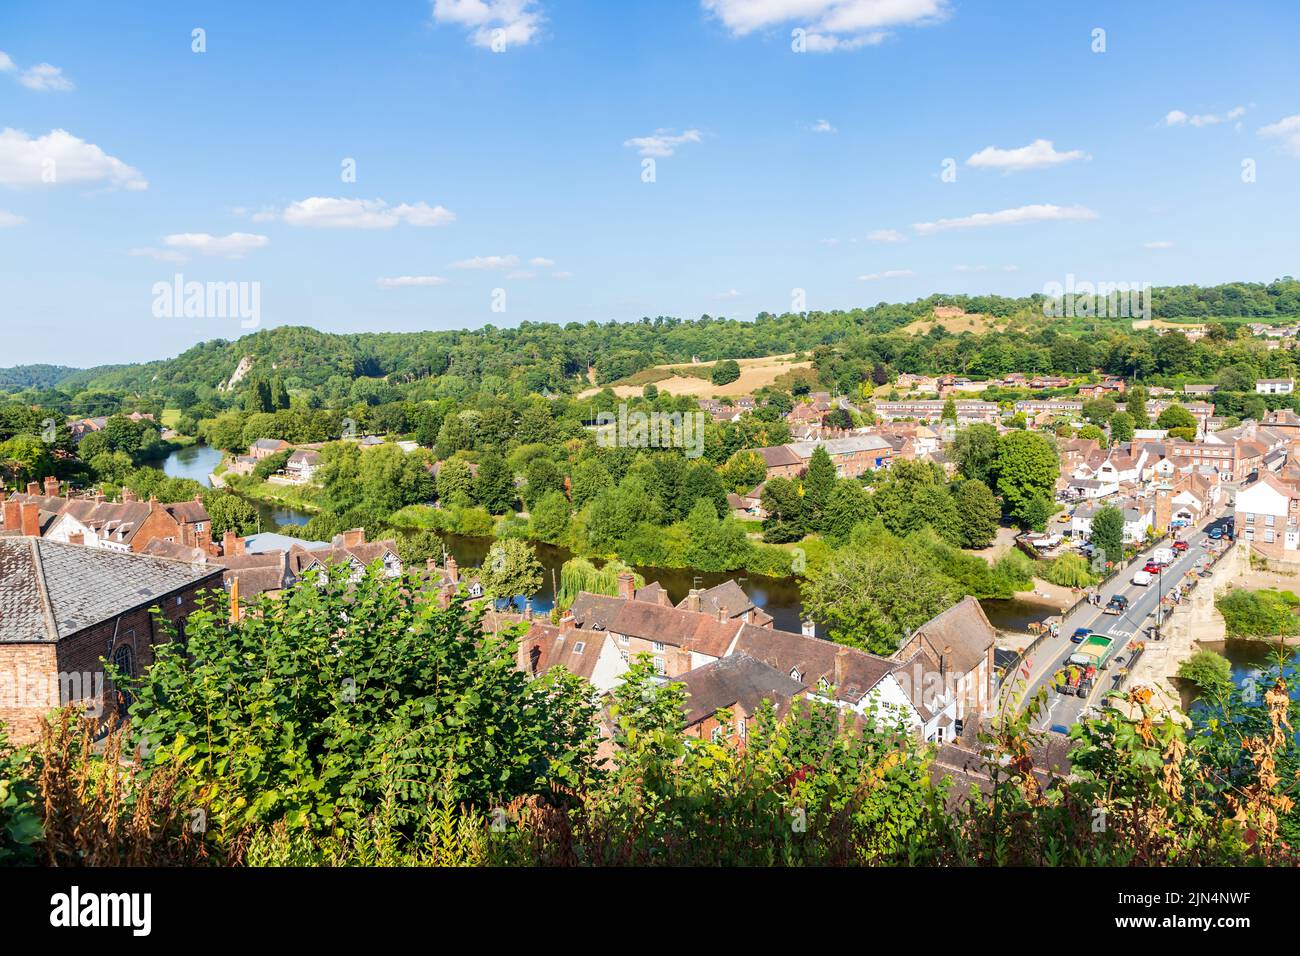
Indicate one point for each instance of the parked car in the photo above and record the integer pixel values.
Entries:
(1116, 605)
(1079, 634)
(1216, 534)
(1180, 546)
(1152, 567)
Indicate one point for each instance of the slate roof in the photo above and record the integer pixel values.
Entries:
(965, 628)
(596, 611)
(737, 679)
(815, 659)
(574, 650)
(50, 590)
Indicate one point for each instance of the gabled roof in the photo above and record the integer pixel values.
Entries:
(546, 646)
(815, 660)
(963, 632)
(50, 590)
(736, 679)
(775, 456)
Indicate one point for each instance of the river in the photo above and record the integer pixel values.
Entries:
(197, 462)
(778, 596)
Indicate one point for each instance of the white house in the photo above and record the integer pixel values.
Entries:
(1275, 386)
(1266, 516)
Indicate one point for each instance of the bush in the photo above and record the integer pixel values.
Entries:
(1207, 670)
(1263, 613)
(725, 372)
(1070, 571)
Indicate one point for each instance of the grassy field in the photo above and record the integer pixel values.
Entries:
(693, 378)
(302, 497)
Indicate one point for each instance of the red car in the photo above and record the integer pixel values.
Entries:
(1180, 545)
(1152, 568)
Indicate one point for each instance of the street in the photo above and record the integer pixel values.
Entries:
(1049, 657)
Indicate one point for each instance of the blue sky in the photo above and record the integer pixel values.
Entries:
(521, 170)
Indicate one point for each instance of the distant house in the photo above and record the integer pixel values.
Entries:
(1275, 386)
(781, 461)
(302, 465)
(266, 447)
(1199, 390)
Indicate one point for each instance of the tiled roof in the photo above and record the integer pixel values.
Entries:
(50, 590)
(736, 679)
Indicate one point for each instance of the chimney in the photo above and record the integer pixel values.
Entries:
(228, 543)
(51, 487)
(99, 499)
(626, 586)
(841, 658)
(528, 609)
(722, 614)
(664, 600)
(129, 495)
(534, 658)
(76, 537)
(31, 518)
(354, 537)
(203, 540)
(33, 488)
(153, 502)
(693, 599)
(453, 572)
(13, 514)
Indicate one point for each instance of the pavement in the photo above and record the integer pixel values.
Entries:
(1050, 656)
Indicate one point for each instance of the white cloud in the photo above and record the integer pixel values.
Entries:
(1179, 118)
(493, 24)
(890, 274)
(663, 143)
(43, 77)
(561, 275)
(486, 263)
(401, 282)
(885, 235)
(1287, 130)
(823, 126)
(541, 262)
(830, 25)
(321, 212)
(46, 78)
(1039, 154)
(1158, 244)
(8, 219)
(234, 246)
(59, 158)
(1043, 212)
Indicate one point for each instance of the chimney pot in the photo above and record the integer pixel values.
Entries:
(33, 488)
(626, 585)
(51, 487)
(693, 599)
(13, 514)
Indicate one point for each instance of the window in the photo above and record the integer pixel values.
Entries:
(624, 639)
(1268, 520)
(1268, 537)
(124, 662)
(716, 736)
(658, 645)
(579, 647)
(659, 666)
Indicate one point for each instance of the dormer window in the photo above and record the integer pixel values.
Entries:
(579, 647)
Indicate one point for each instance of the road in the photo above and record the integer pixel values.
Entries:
(1051, 655)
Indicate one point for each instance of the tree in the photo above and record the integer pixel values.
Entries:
(725, 372)
(1121, 427)
(713, 543)
(541, 476)
(1091, 432)
(848, 505)
(589, 478)
(1209, 671)
(873, 599)
(455, 482)
(1176, 416)
(818, 483)
(1027, 470)
(976, 453)
(1136, 405)
(494, 485)
(549, 518)
(978, 514)
(1108, 533)
(511, 570)
(949, 410)
(785, 515)
(743, 471)
(229, 512)
(271, 464)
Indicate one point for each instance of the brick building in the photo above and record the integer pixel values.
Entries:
(64, 609)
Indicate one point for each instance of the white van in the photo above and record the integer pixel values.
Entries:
(1142, 577)
(1163, 556)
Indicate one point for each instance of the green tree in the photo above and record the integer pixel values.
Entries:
(541, 476)
(1209, 671)
(1027, 470)
(1108, 533)
(978, 514)
(589, 478)
(1121, 427)
(725, 372)
(455, 482)
(818, 483)
(511, 570)
(1176, 416)
(785, 515)
(976, 453)
(494, 485)
(229, 512)
(849, 504)
(549, 518)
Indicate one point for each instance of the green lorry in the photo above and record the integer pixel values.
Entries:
(1093, 652)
